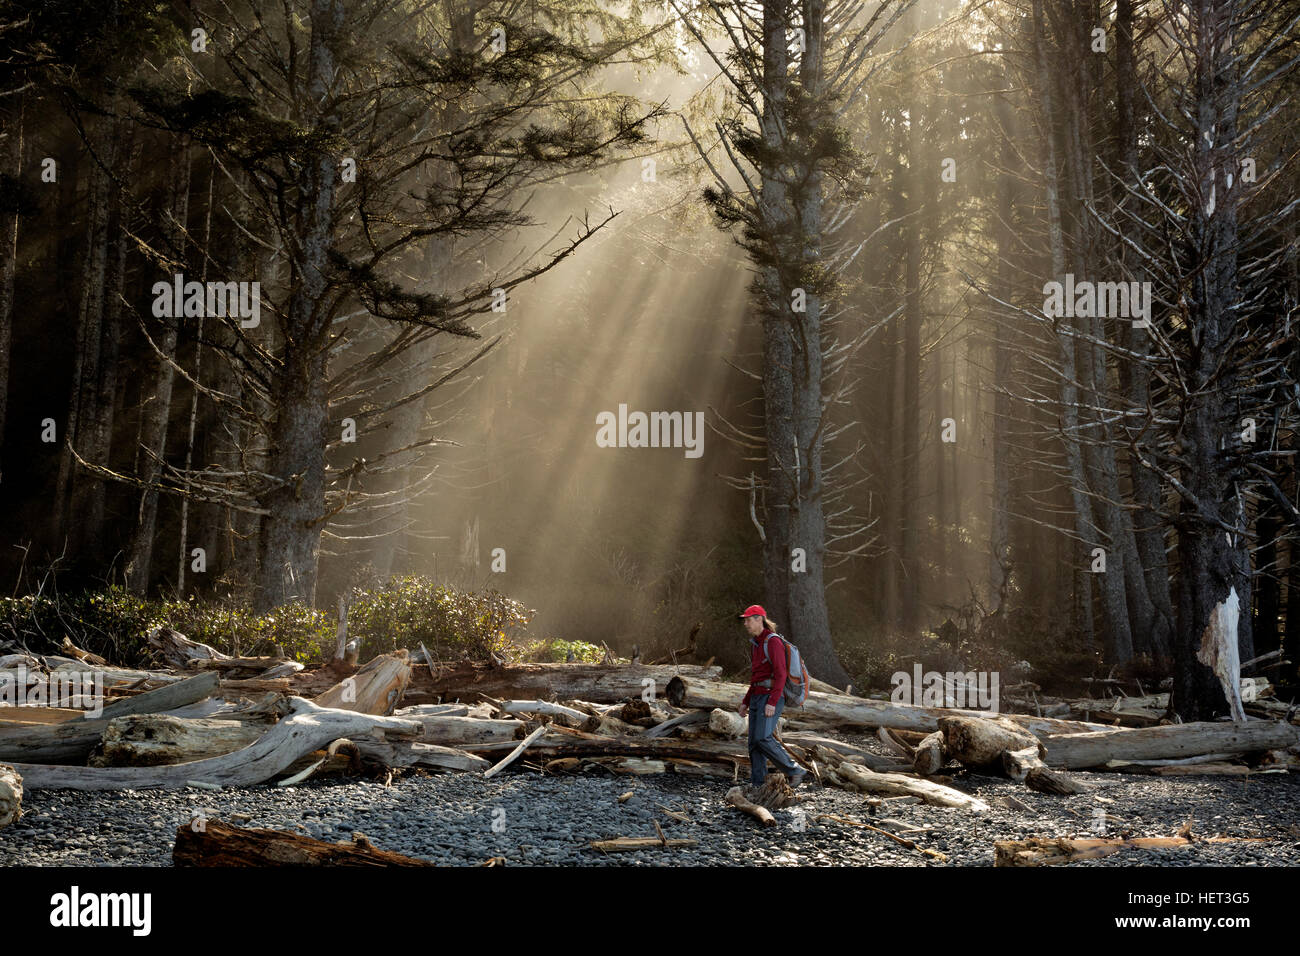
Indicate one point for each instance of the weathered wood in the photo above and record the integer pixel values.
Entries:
(1048, 851)
(736, 797)
(514, 754)
(152, 740)
(177, 650)
(979, 742)
(1079, 751)
(930, 754)
(374, 689)
(72, 741)
(1026, 766)
(217, 843)
(842, 772)
(838, 709)
(467, 731)
(41, 715)
(11, 795)
(170, 697)
(638, 843)
(600, 683)
(414, 753)
(542, 707)
(306, 728)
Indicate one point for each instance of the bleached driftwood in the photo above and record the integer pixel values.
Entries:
(306, 728)
(11, 795)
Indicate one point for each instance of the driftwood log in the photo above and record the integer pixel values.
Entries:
(178, 651)
(375, 689)
(216, 843)
(306, 728)
(11, 795)
(1080, 751)
(842, 773)
(838, 709)
(1049, 851)
(151, 740)
(599, 683)
(71, 742)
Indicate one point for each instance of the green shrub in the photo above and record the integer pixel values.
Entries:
(552, 650)
(453, 624)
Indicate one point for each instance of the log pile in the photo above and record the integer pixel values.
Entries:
(207, 719)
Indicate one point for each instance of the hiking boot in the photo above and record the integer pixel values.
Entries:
(796, 778)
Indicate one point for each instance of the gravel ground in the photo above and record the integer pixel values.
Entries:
(528, 818)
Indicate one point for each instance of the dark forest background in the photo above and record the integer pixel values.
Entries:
(1056, 497)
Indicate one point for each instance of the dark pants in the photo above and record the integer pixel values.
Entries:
(762, 745)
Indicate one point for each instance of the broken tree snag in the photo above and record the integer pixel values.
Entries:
(598, 683)
(1038, 851)
(221, 844)
(151, 740)
(1172, 741)
(178, 651)
(1218, 651)
(11, 795)
(305, 729)
(840, 710)
(980, 742)
(375, 689)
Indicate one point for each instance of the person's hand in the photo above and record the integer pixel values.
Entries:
(769, 710)
(744, 709)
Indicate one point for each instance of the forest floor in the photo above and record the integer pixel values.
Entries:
(534, 819)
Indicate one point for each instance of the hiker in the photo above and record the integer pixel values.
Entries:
(768, 672)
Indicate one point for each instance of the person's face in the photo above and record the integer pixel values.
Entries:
(754, 624)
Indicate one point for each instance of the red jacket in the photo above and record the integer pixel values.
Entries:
(762, 669)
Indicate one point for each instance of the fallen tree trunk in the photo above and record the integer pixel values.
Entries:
(71, 742)
(413, 753)
(220, 844)
(151, 740)
(11, 796)
(306, 728)
(599, 683)
(1079, 751)
(837, 709)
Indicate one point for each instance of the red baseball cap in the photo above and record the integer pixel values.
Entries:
(753, 609)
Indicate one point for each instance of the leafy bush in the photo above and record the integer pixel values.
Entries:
(453, 624)
(555, 651)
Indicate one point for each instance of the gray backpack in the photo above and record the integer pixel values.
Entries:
(798, 679)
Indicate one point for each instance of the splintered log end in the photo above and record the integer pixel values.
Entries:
(930, 755)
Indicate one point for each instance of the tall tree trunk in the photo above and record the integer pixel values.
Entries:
(157, 407)
(1148, 518)
(13, 152)
(290, 535)
(778, 352)
(999, 532)
(1209, 563)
